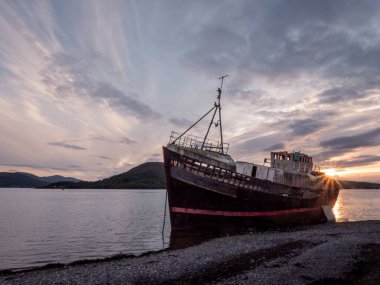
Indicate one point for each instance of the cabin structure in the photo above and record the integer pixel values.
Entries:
(295, 161)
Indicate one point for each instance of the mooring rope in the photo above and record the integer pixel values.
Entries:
(163, 224)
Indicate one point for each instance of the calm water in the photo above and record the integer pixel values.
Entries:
(357, 205)
(40, 226)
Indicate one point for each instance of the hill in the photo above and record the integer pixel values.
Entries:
(149, 175)
(23, 179)
(346, 184)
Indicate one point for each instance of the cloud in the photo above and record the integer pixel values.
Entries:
(40, 167)
(295, 68)
(345, 144)
(334, 95)
(362, 160)
(126, 103)
(180, 122)
(155, 157)
(103, 157)
(126, 140)
(220, 51)
(274, 147)
(288, 40)
(66, 76)
(257, 97)
(250, 145)
(324, 38)
(66, 145)
(306, 126)
(74, 166)
(123, 140)
(349, 92)
(365, 139)
(99, 138)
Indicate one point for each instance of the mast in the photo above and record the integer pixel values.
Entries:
(220, 110)
(217, 107)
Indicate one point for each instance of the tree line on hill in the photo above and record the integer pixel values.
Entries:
(23, 179)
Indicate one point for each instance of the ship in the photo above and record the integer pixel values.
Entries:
(208, 189)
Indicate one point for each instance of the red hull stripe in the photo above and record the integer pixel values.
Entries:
(241, 214)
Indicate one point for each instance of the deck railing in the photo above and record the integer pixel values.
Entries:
(215, 173)
(229, 177)
(197, 142)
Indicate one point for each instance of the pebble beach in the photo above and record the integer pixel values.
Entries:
(332, 253)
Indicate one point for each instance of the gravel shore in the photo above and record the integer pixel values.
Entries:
(333, 253)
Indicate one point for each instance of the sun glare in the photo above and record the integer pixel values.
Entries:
(330, 172)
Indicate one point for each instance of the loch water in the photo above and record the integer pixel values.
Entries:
(42, 226)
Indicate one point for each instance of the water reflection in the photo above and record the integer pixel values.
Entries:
(357, 205)
(337, 210)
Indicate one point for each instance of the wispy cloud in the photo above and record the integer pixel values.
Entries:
(66, 76)
(302, 75)
(334, 95)
(126, 140)
(123, 140)
(103, 157)
(362, 160)
(42, 167)
(180, 122)
(278, 146)
(344, 145)
(364, 139)
(66, 145)
(306, 126)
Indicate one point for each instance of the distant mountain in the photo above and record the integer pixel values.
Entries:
(58, 178)
(149, 175)
(346, 184)
(23, 179)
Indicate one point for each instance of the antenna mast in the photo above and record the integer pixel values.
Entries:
(220, 108)
(217, 107)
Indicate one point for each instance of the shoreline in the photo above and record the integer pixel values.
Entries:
(57, 265)
(344, 253)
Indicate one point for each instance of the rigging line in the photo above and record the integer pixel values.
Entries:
(220, 127)
(208, 130)
(193, 125)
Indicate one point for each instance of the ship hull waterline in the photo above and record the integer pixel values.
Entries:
(200, 203)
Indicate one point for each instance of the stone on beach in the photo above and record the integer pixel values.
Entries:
(338, 253)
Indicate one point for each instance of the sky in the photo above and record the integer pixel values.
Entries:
(90, 89)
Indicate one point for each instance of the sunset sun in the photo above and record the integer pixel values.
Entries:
(330, 172)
